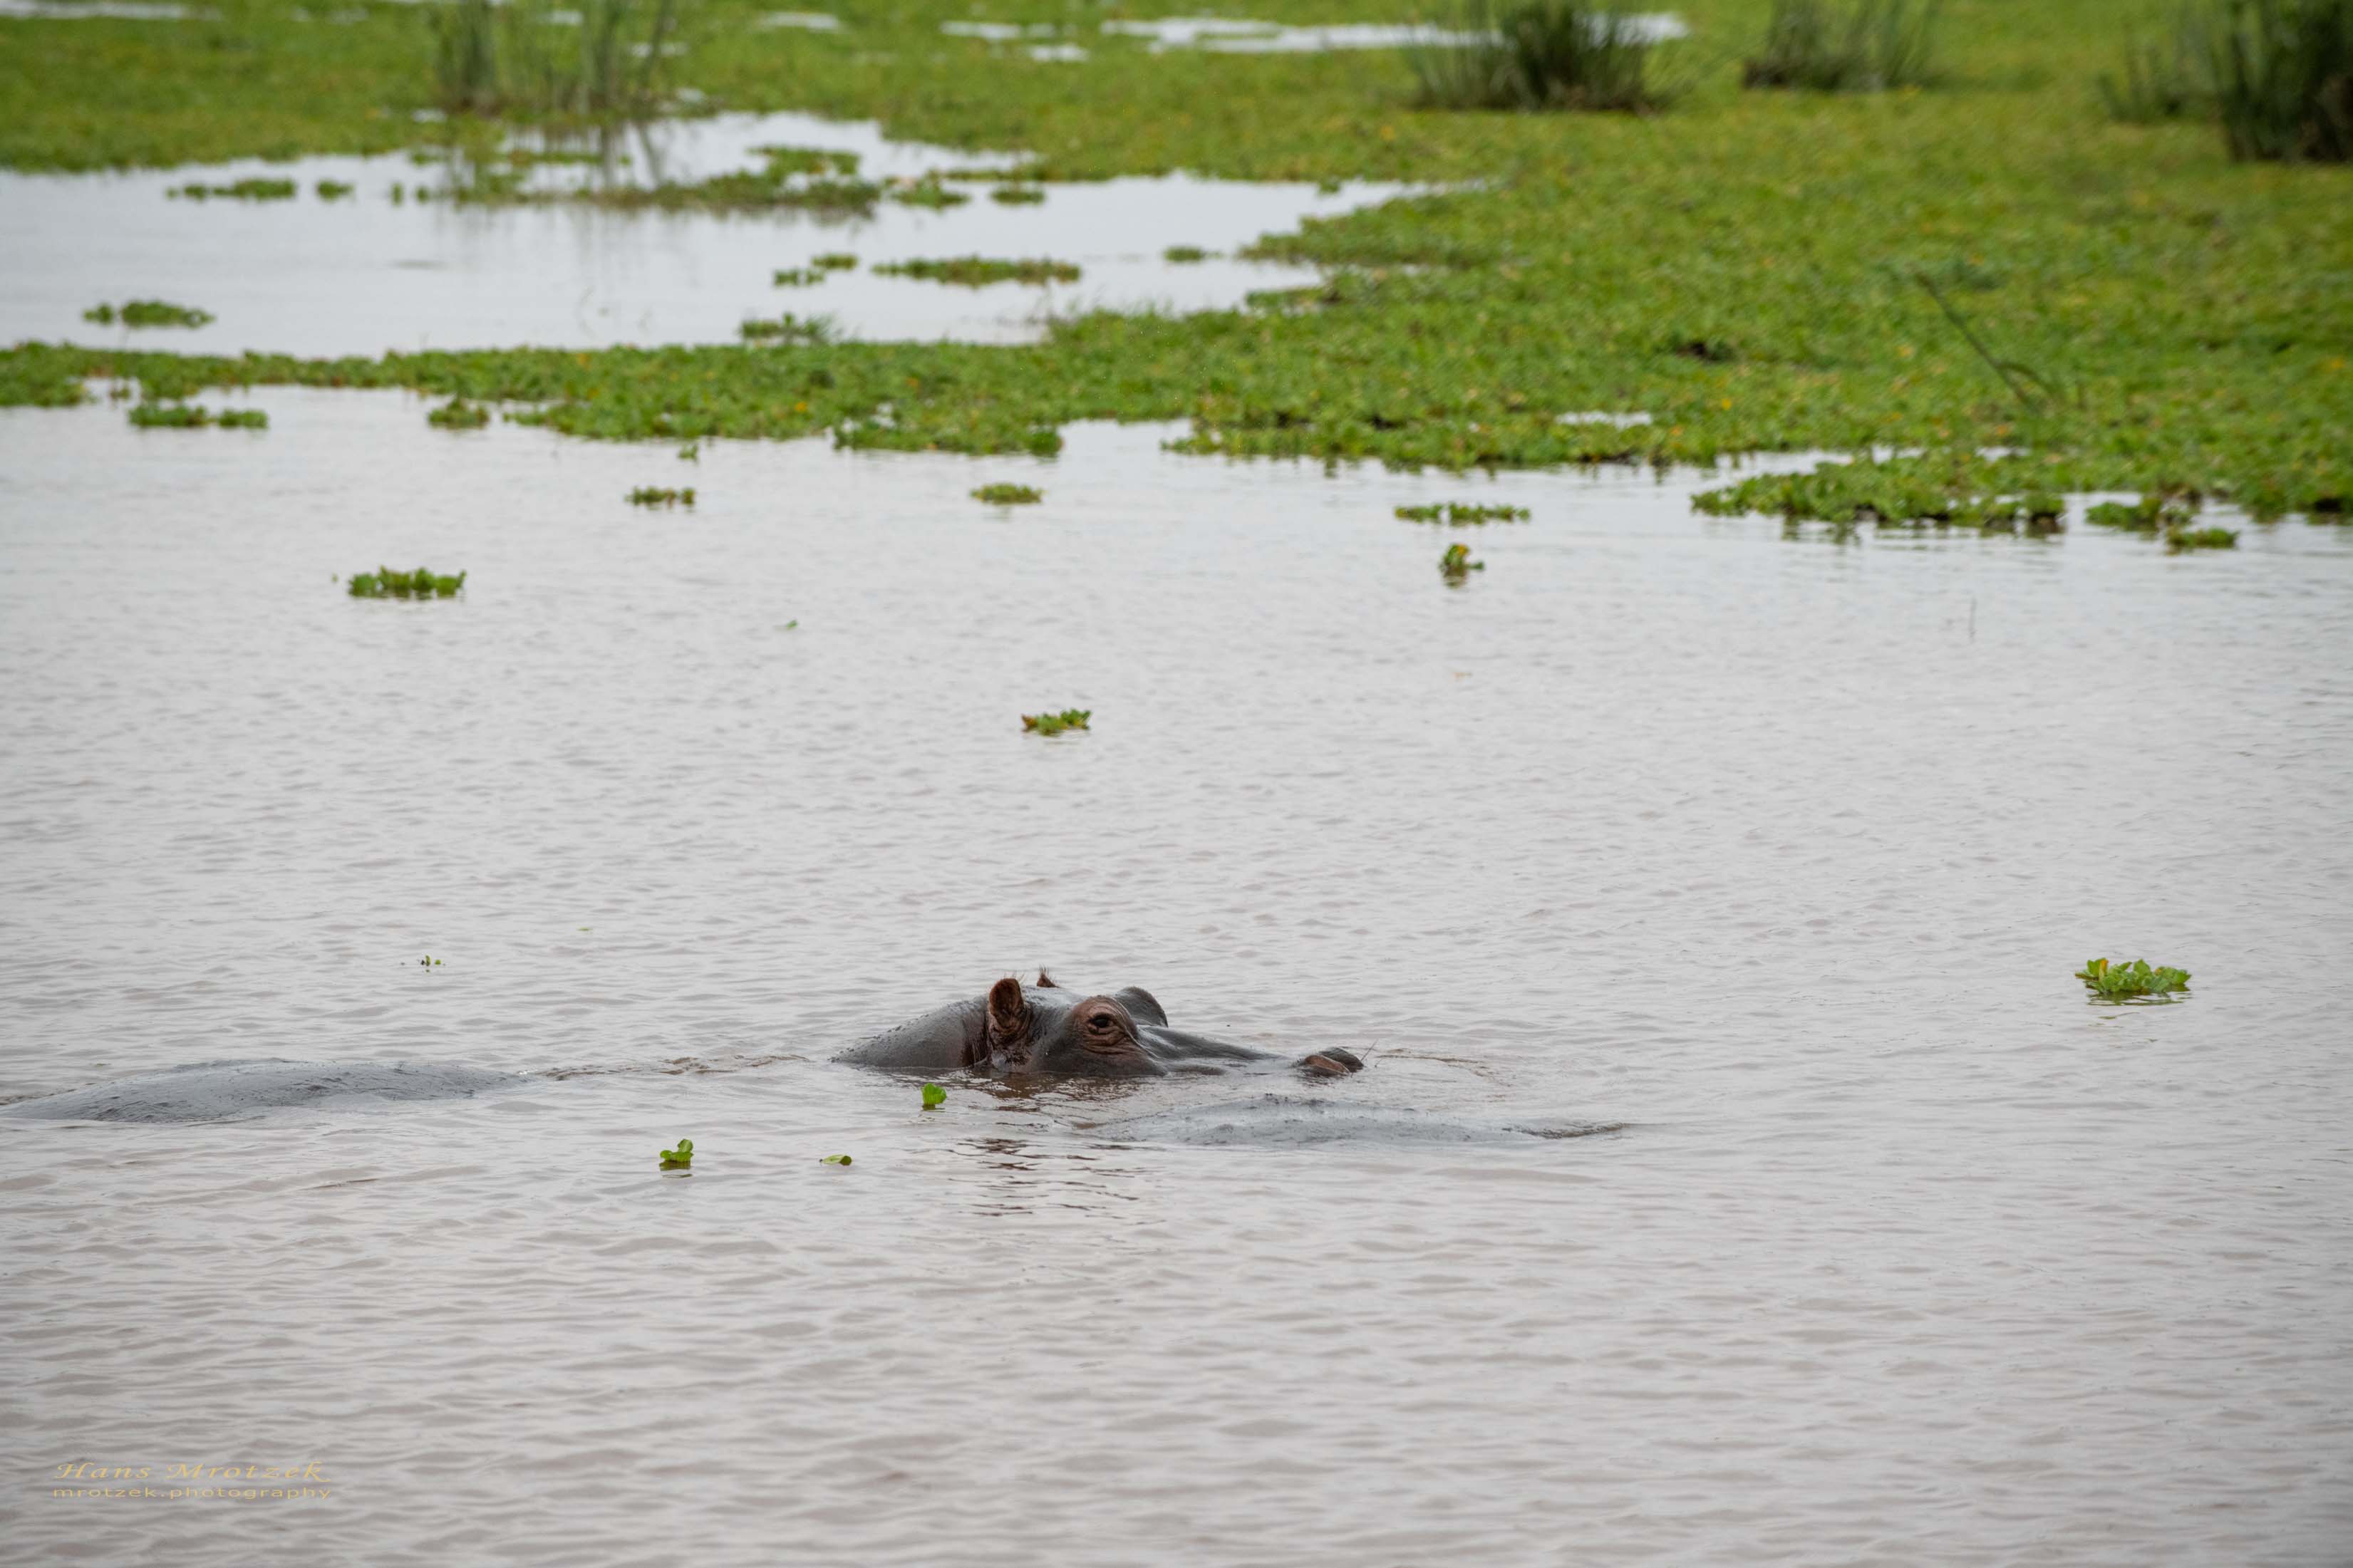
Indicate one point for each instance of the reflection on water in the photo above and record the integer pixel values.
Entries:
(363, 275)
(1783, 857)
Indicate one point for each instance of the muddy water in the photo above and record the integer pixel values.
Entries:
(1780, 854)
(360, 275)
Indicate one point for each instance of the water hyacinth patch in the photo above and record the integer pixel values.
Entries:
(189, 417)
(798, 276)
(384, 582)
(661, 495)
(979, 271)
(1184, 255)
(1456, 564)
(2177, 540)
(1462, 513)
(333, 190)
(148, 314)
(834, 261)
(2118, 981)
(459, 415)
(680, 1158)
(1009, 495)
(814, 330)
(933, 1097)
(1055, 723)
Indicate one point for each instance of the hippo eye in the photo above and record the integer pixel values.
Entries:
(1103, 1024)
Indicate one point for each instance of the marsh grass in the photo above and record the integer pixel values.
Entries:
(1538, 55)
(384, 582)
(2283, 78)
(1876, 46)
(511, 58)
(979, 271)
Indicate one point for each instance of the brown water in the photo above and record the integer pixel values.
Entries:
(1779, 853)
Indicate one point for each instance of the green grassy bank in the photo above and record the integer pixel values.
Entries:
(1756, 269)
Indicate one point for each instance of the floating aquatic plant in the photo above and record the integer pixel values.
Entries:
(189, 417)
(1456, 564)
(427, 962)
(978, 272)
(933, 1097)
(148, 314)
(2114, 982)
(459, 415)
(1009, 495)
(788, 329)
(2178, 538)
(2153, 512)
(927, 192)
(1055, 723)
(661, 495)
(678, 1159)
(1018, 195)
(833, 1160)
(1184, 253)
(249, 190)
(807, 160)
(1461, 513)
(333, 190)
(384, 582)
(798, 276)
(834, 261)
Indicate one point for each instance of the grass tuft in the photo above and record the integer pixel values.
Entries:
(1877, 46)
(1539, 55)
(2282, 74)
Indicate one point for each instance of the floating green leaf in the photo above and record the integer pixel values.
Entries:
(834, 1159)
(680, 1157)
(1055, 723)
(2117, 981)
(933, 1097)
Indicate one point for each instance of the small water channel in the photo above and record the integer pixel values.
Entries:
(361, 275)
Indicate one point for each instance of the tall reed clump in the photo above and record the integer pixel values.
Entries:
(1879, 45)
(2283, 73)
(604, 58)
(1539, 54)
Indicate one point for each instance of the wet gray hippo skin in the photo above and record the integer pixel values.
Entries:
(216, 1091)
(1052, 1029)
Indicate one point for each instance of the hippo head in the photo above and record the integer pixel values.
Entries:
(1045, 1028)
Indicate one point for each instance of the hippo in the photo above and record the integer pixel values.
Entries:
(1049, 1028)
(218, 1092)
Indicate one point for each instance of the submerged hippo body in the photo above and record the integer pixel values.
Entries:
(218, 1092)
(1049, 1028)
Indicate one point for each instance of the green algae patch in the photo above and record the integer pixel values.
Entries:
(459, 415)
(2120, 981)
(680, 1158)
(1055, 723)
(148, 314)
(1009, 495)
(1462, 514)
(979, 271)
(386, 583)
(657, 495)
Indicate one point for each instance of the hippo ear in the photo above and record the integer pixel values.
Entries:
(1006, 1011)
(1046, 980)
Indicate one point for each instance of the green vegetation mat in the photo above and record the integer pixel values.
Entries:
(1992, 262)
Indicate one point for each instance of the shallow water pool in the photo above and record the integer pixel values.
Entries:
(1779, 854)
